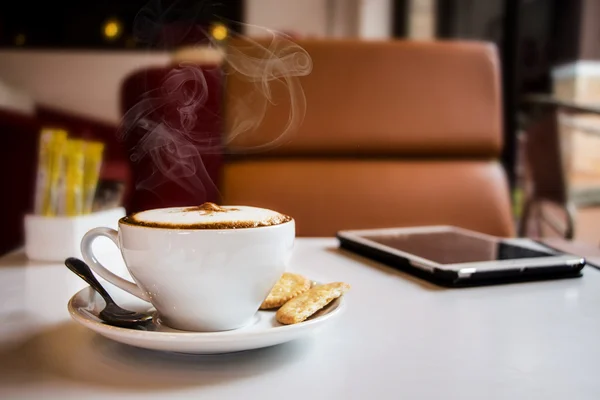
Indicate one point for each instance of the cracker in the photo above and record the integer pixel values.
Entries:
(289, 286)
(308, 303)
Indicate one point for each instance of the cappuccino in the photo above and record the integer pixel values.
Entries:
(200, 273)
(207, 216)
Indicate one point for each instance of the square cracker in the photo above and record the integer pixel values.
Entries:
(289, 286)
(306, 304)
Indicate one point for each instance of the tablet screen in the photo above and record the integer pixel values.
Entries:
(451, 247)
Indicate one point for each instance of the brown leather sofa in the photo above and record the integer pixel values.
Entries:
(395, 134)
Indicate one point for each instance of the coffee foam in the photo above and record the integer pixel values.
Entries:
(208, 216)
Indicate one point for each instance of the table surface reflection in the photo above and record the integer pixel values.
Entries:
(399, 338)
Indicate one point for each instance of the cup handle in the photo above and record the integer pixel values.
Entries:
(90, 258)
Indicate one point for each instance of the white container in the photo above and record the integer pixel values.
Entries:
(57, 238)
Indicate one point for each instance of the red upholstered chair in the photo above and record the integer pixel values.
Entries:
(172, 141)
(17, 175)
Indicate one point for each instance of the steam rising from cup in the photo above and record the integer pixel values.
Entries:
(167, 124)
(264, 64)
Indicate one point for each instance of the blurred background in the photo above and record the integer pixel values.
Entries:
(516, 79)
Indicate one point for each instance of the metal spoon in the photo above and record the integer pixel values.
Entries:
(112, 313)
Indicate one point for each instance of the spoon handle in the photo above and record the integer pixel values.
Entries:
(82, 270)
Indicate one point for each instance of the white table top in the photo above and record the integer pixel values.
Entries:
(399, 338)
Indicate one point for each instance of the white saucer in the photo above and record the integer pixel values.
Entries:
(265, 331)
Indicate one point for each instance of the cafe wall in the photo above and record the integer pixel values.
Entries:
(306, 18)
(81, 82)
(369, 19)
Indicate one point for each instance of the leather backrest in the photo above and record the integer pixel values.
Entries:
(325, 195)
(395, 134)
(381, 98)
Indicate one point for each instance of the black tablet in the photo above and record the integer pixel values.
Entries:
(452, 256)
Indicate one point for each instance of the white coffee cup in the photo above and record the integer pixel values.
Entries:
(198, 279)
